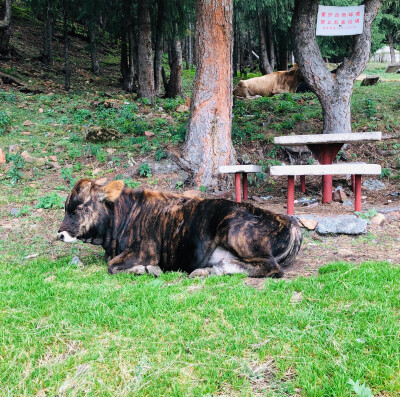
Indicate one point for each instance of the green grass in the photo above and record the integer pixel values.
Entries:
(81, 331)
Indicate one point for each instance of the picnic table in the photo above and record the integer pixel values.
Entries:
(325, 148)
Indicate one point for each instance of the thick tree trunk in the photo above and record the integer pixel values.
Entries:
(145, 54)
(92, 26)
(5, 31)
(270, 41)
(158, 53)
(67, 84)
(265, 66)
(333, 90)
(391, 47)
(47, 57)
(174, 87)
(208, 141)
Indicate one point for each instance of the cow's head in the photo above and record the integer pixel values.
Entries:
(87, 210)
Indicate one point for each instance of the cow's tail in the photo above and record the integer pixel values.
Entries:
(293, 246)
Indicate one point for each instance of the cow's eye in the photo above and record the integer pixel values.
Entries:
(79, 207)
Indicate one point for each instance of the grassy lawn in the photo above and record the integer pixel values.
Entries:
(67, 330)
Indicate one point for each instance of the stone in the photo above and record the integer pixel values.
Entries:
(168, 167)
(76, 261)
(53, 158)
(345, 252)
(2, 157)
(154, 270)
(100, 134)
(373, 185)
(309, 224)
(149, 134)
(13, 149)
(392, 68)
(339, 196)
(138, 270)
(26, 133)
(36, 161)
(345, 224)
(27, 123)
(14, 212)
(370, 80)
(111, 150)
(182, 108)
(348, 203)
(378, 219)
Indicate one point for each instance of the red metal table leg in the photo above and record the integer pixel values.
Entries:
(290, 195)
(245, 189)
(238, 192)
(303, 183)
(357, 200)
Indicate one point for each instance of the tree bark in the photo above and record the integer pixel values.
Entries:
(158, 53)
(235, 48)
(250, 48)
(47, 57)
(265, 66)
(333, 90)
(145, 54)
(174, 86)
(67, 84)
(270, 41)
(208, 143)
(391, 47)
(189, 59)
(5, 31)
(92, 26)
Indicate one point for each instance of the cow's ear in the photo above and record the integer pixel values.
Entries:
(112, 191)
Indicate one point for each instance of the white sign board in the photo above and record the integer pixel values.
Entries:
(340, 21)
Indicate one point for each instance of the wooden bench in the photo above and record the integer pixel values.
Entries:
(331, 169)
(237, 170)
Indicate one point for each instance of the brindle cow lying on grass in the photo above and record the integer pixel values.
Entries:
(145, 231)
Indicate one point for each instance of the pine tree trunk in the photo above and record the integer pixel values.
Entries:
(391, 47)
(158, 53)
(145, 54)
(47, 57)
(250, 48)
(174, 87)
(129, 80)
(5, 31)
(93, 48)
(265, 66)
(67, 84)
(208, 141)
(333, 91)
(189, 59)
(124, 65)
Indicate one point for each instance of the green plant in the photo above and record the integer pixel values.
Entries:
(179, 185)
(25, 210)
(17, 164)
(360, 390)
(51, 200)
(385, 173)
(310, 161)
(160, 154)
(5, 121)
(144, 170)
(129, 182)
(369, 107)
(203, 188)
(367, 215)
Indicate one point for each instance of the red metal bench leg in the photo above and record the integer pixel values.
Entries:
(357, 200)
(238, 192)
(290, 195)
(326, 189)
(303, 183)
(245, 186)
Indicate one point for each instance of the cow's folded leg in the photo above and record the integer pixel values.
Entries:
(128, 262)
(201, 272)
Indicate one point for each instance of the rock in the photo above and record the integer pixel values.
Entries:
(55, 165)
(309, 224)
(53, 158)
(14, 149)
(392, 68)
(378, 219)
(154, 270)
(149, 134)
(345, 224)
(76, 261)
(111, 150)
(2, 157)
(339, 196)
(370, 80)
(168, 167)
(26, 133)
(36, 161)
(245, 159)
(373, 185)
(14, 212)
(348, 203)
(138, 270)
(100, 134)
(182, 108)
(96, 171)
(27, 123)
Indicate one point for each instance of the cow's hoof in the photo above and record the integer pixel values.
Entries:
(155, 270)
(201, 272)
(138, 270)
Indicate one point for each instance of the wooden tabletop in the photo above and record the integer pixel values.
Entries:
(303, 140)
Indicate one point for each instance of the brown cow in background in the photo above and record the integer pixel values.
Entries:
(269, 84)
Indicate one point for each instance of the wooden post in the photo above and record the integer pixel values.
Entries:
(245, 186)
(357, 199)
(290, 195)
(303, 183)
(238, 192)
